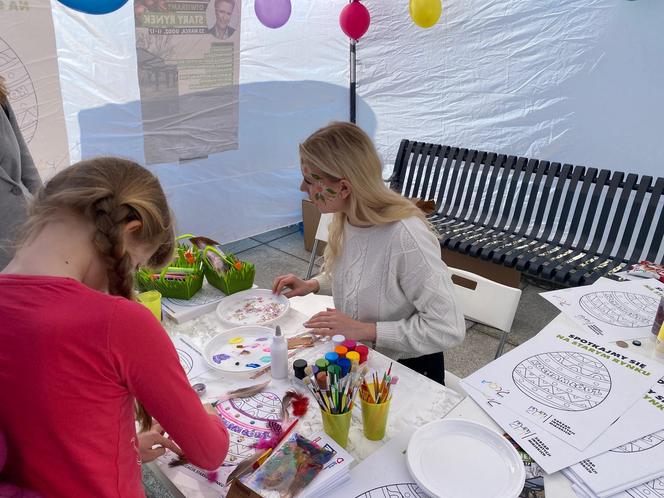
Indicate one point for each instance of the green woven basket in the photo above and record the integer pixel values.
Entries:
(177, 289)
(232, 280)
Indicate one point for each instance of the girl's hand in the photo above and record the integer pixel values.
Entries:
(155, 437)
(298, 286)
(332, 322)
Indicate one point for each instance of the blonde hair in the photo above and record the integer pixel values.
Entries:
(344, 151)
(110, 192)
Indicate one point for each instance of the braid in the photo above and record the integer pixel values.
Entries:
(110, 218)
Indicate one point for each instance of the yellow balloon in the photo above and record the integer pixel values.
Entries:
(425, 13)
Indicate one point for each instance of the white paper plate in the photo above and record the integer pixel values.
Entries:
(240, 350)
(252, 307)
(456, 458)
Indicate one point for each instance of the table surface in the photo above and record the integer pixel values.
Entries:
(416, 399)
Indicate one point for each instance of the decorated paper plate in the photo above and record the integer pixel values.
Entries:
(252, 307)
(240, 350)
(455, 458)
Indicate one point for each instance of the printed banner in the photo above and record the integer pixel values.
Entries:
(188, 72)
(28, 62)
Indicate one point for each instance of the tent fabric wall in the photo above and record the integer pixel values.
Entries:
(570, 80)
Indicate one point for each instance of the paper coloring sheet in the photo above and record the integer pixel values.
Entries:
(552, 454)
(568, 384)
(613, 310)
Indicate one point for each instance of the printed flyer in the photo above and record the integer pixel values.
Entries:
(188, 72)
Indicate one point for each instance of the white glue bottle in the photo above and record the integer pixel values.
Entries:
(279, 356)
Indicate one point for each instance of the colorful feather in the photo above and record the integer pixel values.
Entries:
(242, 392)
(276, 431)
(299, 403)
(244, 467)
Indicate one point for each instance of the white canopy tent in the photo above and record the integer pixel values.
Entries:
(566, 80)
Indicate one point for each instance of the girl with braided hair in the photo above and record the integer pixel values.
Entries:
(78, 354)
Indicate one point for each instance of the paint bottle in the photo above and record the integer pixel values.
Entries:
(331, 357)
(363, 351)
(337, 340)
(298, 368)
(344, 364)
(354, 357)
(279, 353)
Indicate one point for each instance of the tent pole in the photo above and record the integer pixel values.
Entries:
(352, 81)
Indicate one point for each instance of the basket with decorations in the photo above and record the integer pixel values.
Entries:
(181, 279)
(224, 271)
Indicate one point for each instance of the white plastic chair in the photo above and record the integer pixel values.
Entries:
(485, 301)
(321, 236)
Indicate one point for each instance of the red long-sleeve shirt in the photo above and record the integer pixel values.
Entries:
(72, 360)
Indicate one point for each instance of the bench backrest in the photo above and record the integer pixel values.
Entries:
(599, 211)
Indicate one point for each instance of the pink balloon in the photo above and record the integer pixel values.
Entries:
(354, 20)
(272, 13)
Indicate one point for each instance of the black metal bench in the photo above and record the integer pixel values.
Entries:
(557, 222)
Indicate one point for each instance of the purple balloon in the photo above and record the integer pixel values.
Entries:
(272, 13)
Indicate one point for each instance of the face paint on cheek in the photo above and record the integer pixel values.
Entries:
(330, 193)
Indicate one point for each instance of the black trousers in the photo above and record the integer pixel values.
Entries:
(429, 365)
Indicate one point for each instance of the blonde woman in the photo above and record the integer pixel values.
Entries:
(19, 178)
(382, 261)
(77, 353)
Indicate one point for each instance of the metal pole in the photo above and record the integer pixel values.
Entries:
(352, 81)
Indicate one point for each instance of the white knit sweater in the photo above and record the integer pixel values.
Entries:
(393, 275)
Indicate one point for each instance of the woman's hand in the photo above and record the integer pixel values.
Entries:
(155, 437)
(332, 322)
(298, 286)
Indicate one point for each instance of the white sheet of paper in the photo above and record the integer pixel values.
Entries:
(650, 489)
(382, 474)
(191, 358)
(624, 467)
(609, 309)
(567, 383)
(552, 454)
(653, 488)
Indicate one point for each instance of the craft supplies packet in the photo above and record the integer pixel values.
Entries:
(289, 470)
(534, 485)
(647, 269)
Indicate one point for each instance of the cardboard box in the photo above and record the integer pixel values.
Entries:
(310, 219)
(488, 269)
(239, 490)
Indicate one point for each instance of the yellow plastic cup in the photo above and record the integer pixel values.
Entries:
(152, 301)
(337, 426)
(374, 418)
